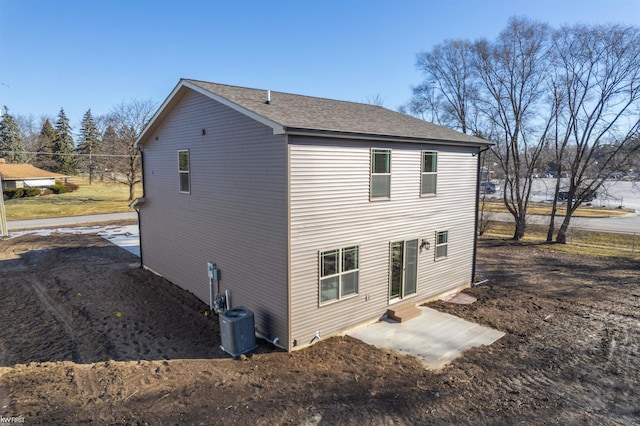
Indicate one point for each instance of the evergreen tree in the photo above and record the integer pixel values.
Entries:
(11, 141)
(44, 158)
(63, 147)
(89, 145)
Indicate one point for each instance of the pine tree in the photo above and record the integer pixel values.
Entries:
(11, 141)
(63, 147)
(44, 158)
(89, 144)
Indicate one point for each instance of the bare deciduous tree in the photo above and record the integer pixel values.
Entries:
(568, 98)
(376, 100)
(29, 129)
(599, 70)
(449, 89)
(127, 120)
(513, 71)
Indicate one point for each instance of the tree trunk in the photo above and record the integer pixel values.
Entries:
(520, 228)
(562, 232)
(554, 209)
(551, 229)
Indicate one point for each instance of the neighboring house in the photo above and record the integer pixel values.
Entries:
(26, 176)
(320, 214)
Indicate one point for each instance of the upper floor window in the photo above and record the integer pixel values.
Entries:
(338, 273)
(183, 170)
(380, 173)
(429, 173)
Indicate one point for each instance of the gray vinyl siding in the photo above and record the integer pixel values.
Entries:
(235, 214)
(330, 208)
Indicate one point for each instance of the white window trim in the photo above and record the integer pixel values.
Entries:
(339, 274)
(422, 173)
(187, 172)
(371, 174)
(435, 252)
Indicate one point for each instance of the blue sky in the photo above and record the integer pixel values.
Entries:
(96, 54)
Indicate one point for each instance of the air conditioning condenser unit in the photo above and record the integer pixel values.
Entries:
(237, 331)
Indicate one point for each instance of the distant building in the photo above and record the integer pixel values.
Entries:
(26, 176)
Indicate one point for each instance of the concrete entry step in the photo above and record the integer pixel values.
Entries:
(403, 312)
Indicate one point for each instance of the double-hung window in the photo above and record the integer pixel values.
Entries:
(183, 171)
(429, 173)
(442, 241)
(380, 173)
(338, 273)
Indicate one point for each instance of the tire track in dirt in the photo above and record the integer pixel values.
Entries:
(59, 314)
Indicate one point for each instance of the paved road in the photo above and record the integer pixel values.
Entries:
(59, 222)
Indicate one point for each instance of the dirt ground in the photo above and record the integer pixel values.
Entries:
(87, 337)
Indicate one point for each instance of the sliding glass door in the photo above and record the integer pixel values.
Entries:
(404, 269)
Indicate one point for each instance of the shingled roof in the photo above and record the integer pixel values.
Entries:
(294, 114)
(25, 171)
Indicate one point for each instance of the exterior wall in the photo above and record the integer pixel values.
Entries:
(39, 183)
(13, 184)
(330, 208)
(234, 216)
(33, 183)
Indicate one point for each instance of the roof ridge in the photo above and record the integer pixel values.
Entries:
(288, 93)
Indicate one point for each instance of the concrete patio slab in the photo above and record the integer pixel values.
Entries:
(434, 337)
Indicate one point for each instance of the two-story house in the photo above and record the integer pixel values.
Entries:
(320, 214)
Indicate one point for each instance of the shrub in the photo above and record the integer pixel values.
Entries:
(61, 188)
(31, 192)
(12, 193)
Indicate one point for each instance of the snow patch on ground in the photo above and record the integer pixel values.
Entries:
(127, 237)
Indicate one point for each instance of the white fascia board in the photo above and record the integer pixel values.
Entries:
(278, 129)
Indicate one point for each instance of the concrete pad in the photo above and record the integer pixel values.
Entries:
(460, 299)
(434, 337)
(127, 237)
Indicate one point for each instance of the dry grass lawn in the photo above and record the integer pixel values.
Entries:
(98, 198)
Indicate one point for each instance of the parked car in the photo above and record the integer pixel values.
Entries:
(563, 197)
(489, 187)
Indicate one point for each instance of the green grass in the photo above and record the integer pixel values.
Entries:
(98, 198)
(584, 242)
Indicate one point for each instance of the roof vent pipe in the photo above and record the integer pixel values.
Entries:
(268, 102)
